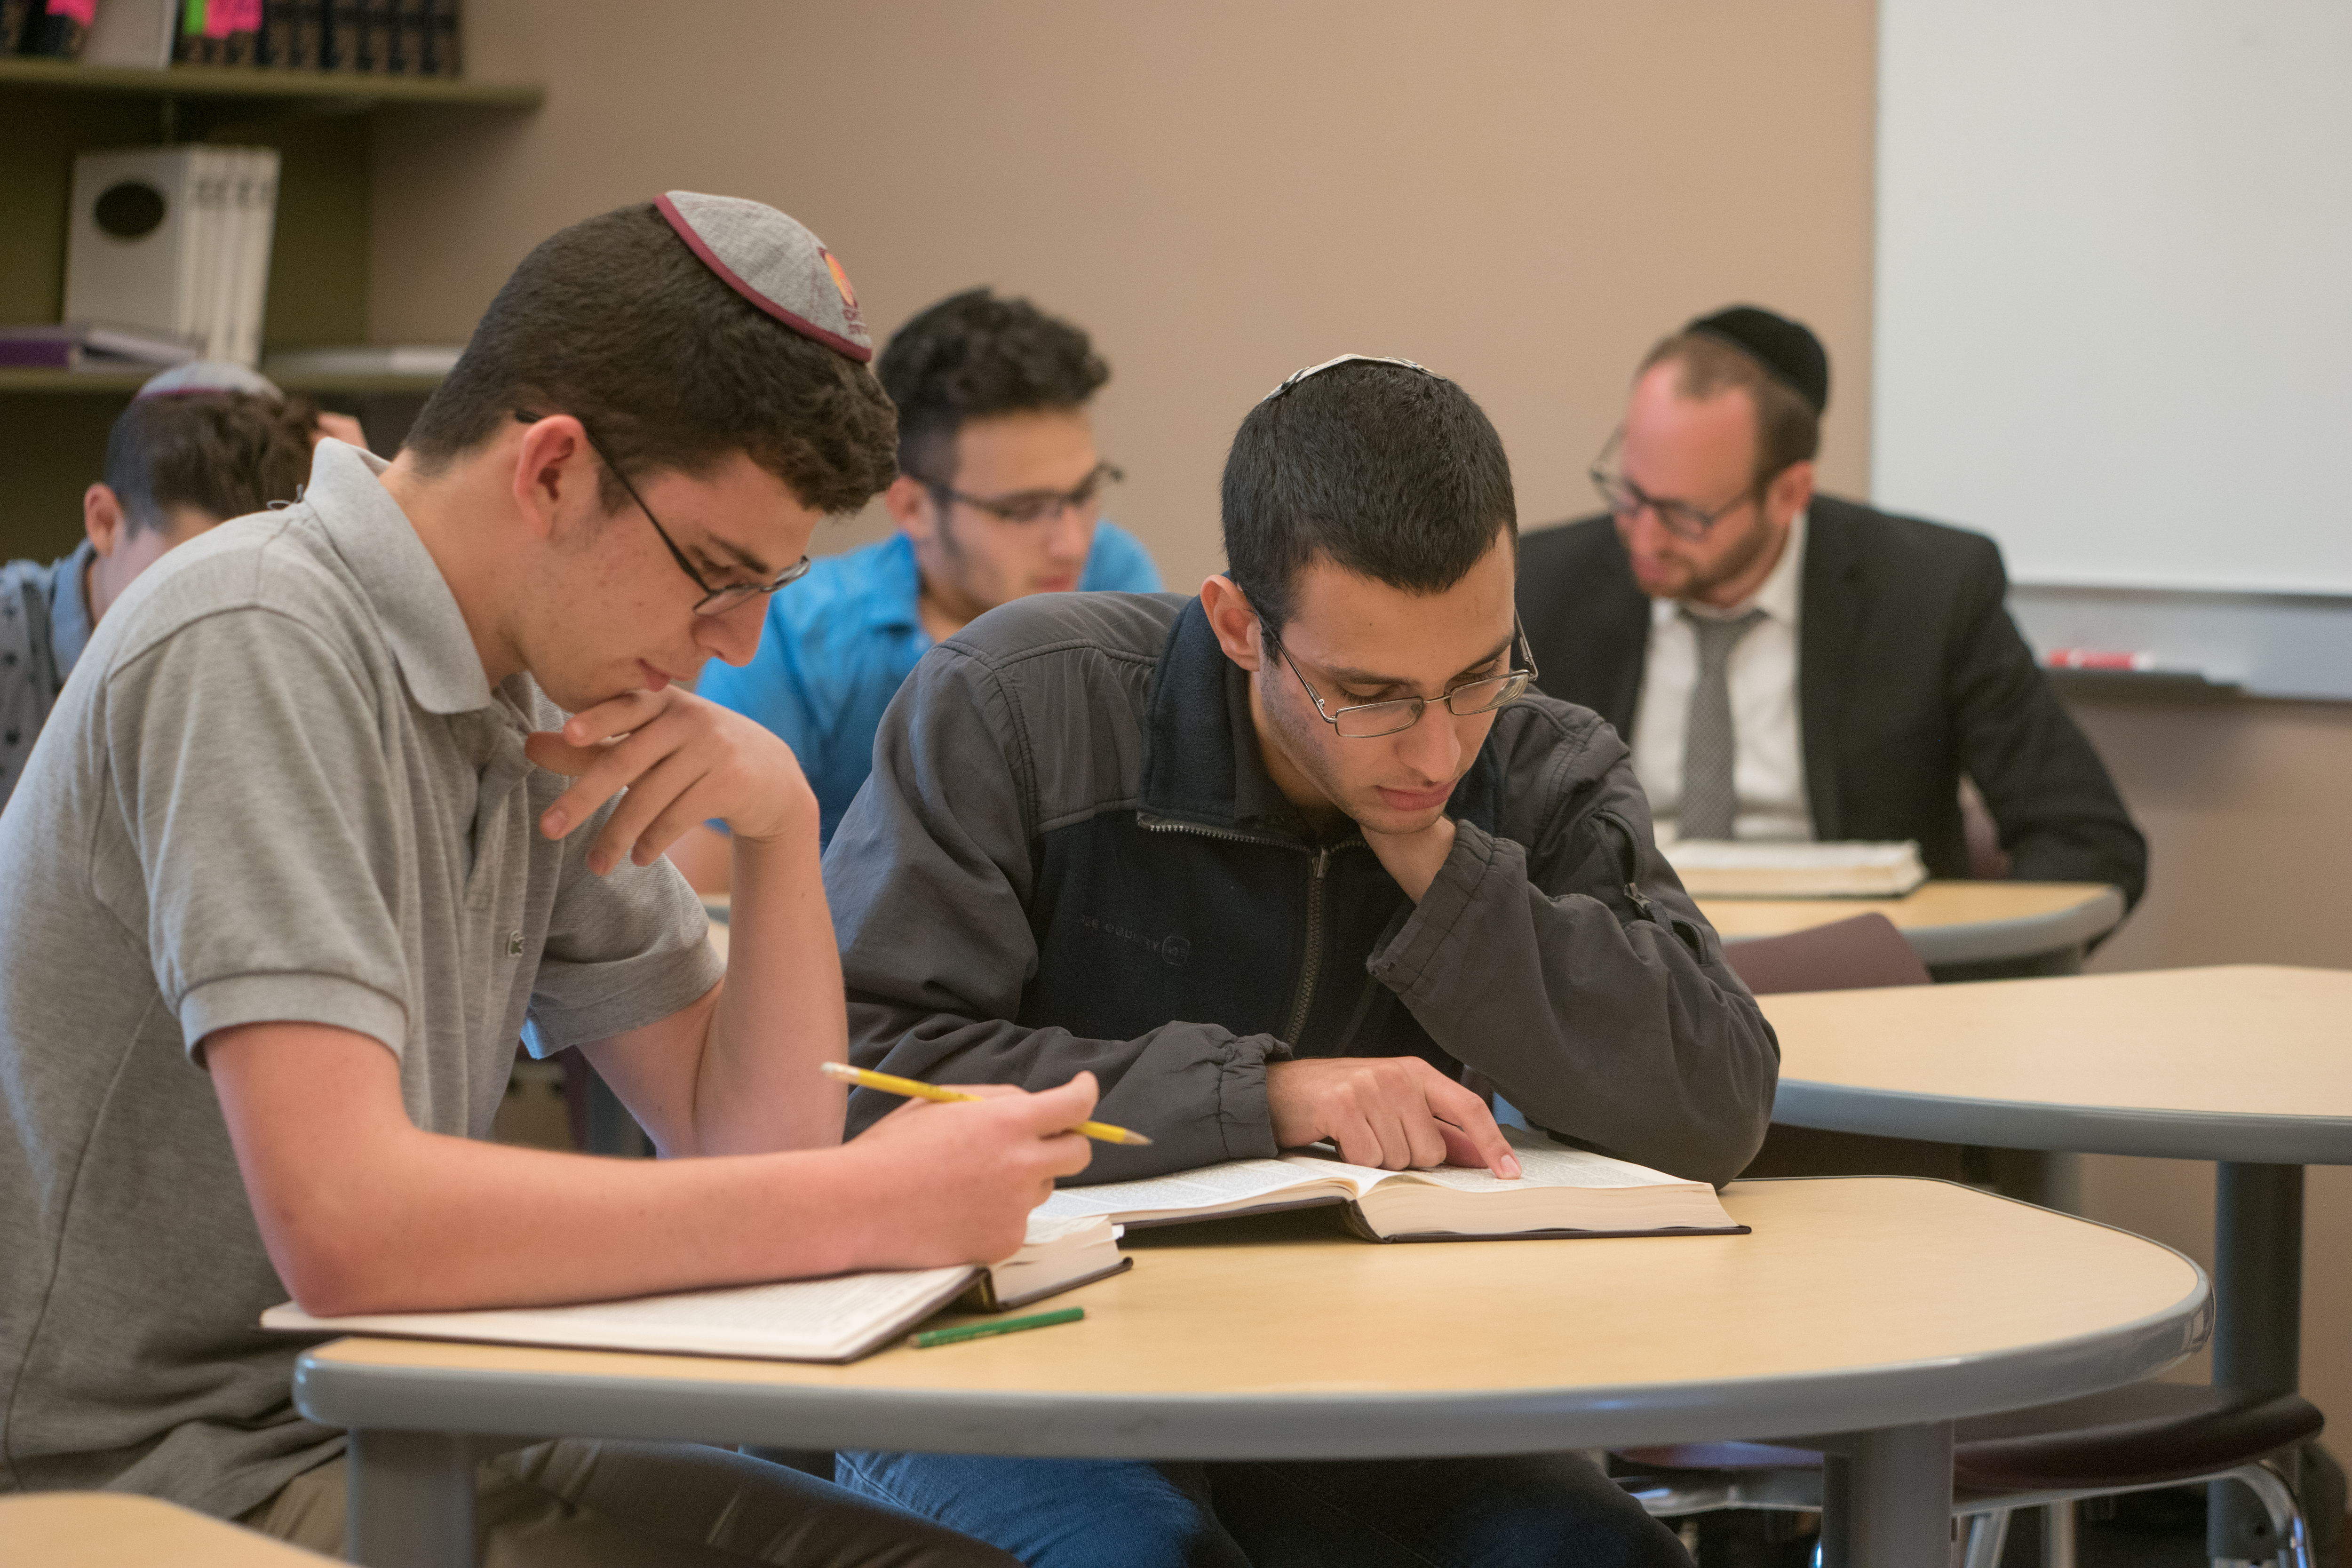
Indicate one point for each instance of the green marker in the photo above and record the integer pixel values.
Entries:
(931, 1337)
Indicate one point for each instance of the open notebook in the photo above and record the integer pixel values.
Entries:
(1562, 1193)
(1766, 868)
(839, 1318)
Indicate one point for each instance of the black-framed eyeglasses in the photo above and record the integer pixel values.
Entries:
(1463, 699)
(1035, 506)
(1626, 500)
(714, 601)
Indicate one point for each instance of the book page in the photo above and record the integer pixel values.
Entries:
(1542, 1164)
(1237, 1182)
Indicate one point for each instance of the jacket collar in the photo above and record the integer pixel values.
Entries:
(1202, 765)
(1836, 600)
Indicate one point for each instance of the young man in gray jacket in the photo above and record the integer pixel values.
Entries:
(1282, 864)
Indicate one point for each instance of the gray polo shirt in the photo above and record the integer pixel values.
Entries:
(280, 788)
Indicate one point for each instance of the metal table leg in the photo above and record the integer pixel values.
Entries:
(2258, 1324)
(1887, 1499)
(412, 1501)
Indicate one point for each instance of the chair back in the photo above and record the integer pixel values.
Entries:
(1856, 954)
(1859, 953)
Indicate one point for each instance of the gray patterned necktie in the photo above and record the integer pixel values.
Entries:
(1709, 748)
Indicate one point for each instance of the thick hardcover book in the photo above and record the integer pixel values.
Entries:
(833, 1320)
(1561, 1193)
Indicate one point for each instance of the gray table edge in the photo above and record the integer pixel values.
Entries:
(1283, 1424)
(2249, 1137)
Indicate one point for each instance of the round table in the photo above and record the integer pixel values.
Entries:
(1862, 1315)
(2245, 1065)
(1955, 927)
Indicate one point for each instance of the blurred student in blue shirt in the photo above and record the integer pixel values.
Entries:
(998, 497)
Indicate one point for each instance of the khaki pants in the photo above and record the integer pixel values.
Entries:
(649, 1505)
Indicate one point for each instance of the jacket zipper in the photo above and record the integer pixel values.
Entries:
(1629, 862)
(1302, 998)
(1307, 972)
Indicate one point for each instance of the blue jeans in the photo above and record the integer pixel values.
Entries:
(1522, 1511)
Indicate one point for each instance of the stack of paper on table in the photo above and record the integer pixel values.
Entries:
(801, 1320)
(1561, 1193)
(1764, 868)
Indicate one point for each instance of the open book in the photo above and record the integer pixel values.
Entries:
(1769, 868)
(839, 1318)
(1562, 1193)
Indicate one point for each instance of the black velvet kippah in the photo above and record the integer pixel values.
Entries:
(1786, 348)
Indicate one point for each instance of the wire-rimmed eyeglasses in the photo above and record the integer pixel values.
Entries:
(1035, 506)
(714, 601)
(1463, 699)
(1626, 500)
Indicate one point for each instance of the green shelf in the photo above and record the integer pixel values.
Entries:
(359, 88)
(115, 382)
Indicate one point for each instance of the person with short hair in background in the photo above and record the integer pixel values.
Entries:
(1283, 863)
(200, 444)
(1790, 665)
(999, 496)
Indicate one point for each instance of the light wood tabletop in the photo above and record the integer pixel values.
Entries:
(1949, 923)
(116, 1530)
(2238, 1062)
(1861, 1314)
(1852, 1300)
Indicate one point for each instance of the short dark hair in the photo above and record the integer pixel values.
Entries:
(974, 355)
(1388, 472)
(616, 321)
(225, 454)
(1787, 428)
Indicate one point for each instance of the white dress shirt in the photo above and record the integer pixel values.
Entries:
(1768, 773)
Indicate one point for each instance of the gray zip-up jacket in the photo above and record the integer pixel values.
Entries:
(1070, 856)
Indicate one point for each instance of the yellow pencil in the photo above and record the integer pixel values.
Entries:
(890, 1083)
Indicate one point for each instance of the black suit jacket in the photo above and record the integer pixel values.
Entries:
(1909, 673)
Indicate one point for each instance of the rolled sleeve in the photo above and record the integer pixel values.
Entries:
(624, 951)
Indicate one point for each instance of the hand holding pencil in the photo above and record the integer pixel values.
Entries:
(915, 1088)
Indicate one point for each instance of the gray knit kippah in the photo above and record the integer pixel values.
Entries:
(773, 262)
(210, 375)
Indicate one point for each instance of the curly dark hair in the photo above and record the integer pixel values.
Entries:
(972, 355)
(616, 321)
(1388, 472)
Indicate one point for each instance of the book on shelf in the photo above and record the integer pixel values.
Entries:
(91, 345)
(1765, 868)
(133, 34)
(48, 29)
(1561, 1191)
(834, 1320)
(366, 359)
(407, 37)
(174, 241)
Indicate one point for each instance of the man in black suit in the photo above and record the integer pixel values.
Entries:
(1787, 664)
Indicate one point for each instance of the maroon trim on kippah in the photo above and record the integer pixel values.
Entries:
(862, 352)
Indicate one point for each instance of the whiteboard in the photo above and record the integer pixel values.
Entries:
(2114, 310)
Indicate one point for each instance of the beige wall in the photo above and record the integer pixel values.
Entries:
(1521, 196)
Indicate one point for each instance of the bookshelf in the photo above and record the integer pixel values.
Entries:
(329, 132)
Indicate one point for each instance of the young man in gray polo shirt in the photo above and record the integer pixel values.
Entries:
(310, 838)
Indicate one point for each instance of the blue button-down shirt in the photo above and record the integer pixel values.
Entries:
(44, 626)
(838, 642)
